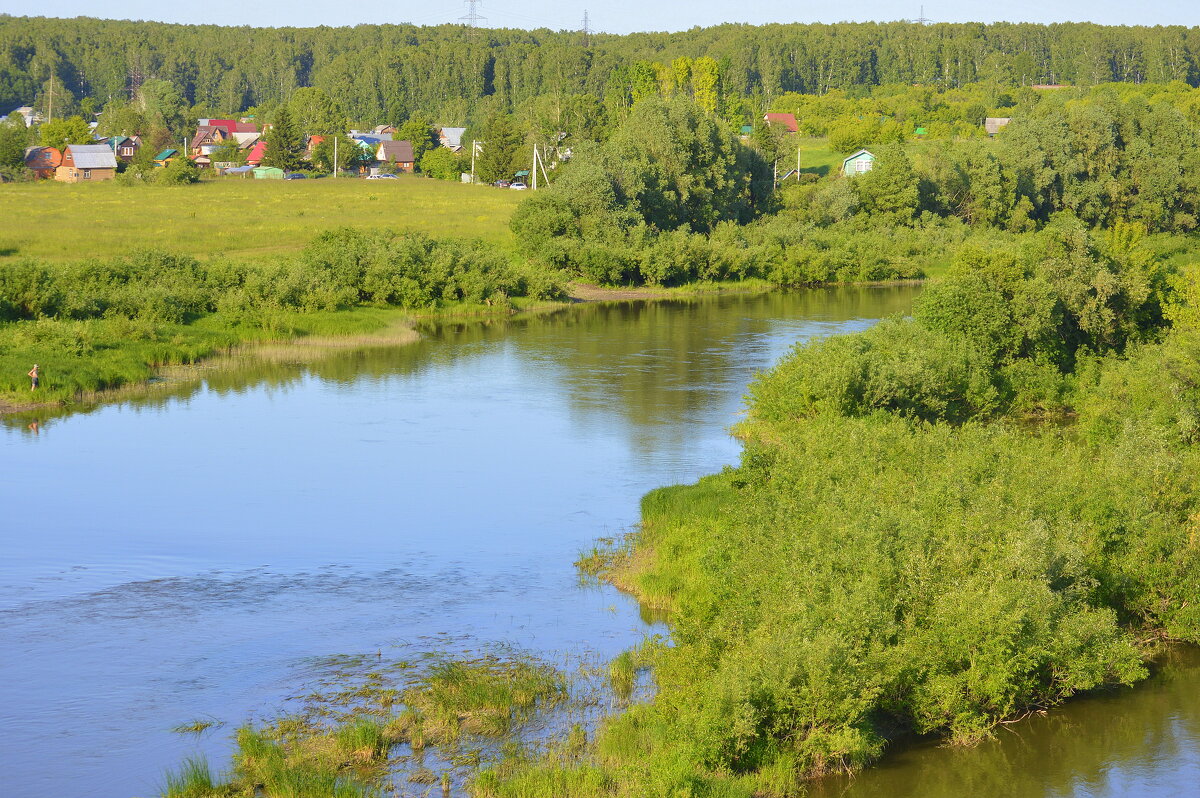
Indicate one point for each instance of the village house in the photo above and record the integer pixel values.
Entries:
(859, 162)
(257, 152)
(124, 147)
(398, 154)
(451, 138)
(165, 157)
(42, 161)
(386, 131)
(27, 113)
(786, 121)
(213, 133)
(82, 162)
(993, 124)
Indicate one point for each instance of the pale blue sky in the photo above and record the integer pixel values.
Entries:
(619, 16)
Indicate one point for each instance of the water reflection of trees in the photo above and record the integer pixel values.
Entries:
(1136, 742)
(648, 363)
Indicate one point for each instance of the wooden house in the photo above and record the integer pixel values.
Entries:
(384, 130)
(397, 153)
(42, 161)
(125, 147)
(993, 124)
(451, 138)
(786, 121)
(86, 162)
(859, 162)
(165, 157)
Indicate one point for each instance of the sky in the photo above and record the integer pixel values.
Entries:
(618, 16)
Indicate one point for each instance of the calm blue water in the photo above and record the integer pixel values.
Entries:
(188, 557)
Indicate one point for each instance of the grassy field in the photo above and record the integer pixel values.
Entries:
(57, 221)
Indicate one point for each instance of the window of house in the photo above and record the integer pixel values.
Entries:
(87, 174)
(862, 165)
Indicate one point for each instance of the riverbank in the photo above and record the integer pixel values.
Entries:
(896, 555)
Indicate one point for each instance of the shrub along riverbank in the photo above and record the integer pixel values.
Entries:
(937, 525)
(99, 324)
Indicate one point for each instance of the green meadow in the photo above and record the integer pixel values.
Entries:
(237, 217)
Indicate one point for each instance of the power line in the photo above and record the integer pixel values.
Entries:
(473, 17)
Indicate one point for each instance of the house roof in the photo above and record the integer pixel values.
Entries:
(257, 151)
(395, 151)
(92, 156)
(993, 123)
(42, 157)
(855, 156)
(229, 125)
(452, 136)
(370, 138)
(384, 129)
(165, 154)
(787, 120)
(245, 140)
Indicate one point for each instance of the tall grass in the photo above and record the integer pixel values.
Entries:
(193, 779)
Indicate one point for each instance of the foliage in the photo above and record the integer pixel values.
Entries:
(100, 324)
(180, 171)
(14, 138)
(500, 151)
(61, 132)
(420, 133)
(315, 114)
(442, 164)
(285, 143)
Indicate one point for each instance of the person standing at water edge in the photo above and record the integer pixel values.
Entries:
(33, 376)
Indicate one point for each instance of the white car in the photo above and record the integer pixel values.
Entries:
(382, 177)
(518, 186)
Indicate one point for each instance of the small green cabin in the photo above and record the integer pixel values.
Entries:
(859, 162)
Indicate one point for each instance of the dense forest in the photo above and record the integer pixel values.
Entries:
(388, 73)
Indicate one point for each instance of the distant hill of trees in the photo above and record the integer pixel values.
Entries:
(390, 73)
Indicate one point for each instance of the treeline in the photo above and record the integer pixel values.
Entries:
(938, 525)
(674, 197)
(96, 324)
(388, 73)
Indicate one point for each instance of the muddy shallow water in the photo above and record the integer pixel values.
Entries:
(188, 557)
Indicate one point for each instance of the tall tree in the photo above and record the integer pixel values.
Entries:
(501, 156)
(62, 132)
(285, 143)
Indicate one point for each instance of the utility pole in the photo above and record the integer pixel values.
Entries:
(587, 30)
(535, 166)
(335, 158)
(473, 17)
(474, 151)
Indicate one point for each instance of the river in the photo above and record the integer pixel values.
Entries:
(191, 555)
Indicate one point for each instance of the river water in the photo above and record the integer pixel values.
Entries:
(191, 556)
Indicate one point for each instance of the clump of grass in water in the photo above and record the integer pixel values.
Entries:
(194, 779)
(487, 697)
(622, 673)
(196, 726)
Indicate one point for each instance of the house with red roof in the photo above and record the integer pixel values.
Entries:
(787, 121)
(42, 161)
(255, 156)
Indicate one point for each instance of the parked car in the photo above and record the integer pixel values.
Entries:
(502, 183)
(518, 186)
(382, 177)
(294, 176)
